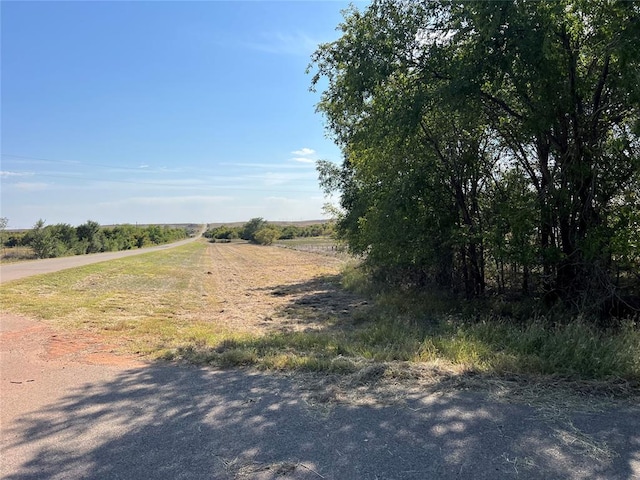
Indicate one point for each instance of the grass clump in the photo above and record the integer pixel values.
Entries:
(574, 349)
(427, 327)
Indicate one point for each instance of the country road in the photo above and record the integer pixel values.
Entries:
(16, 271)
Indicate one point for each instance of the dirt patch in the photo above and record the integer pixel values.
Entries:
(86, 348)
(35, 339)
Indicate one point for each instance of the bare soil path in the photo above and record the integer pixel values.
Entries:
(70, 408)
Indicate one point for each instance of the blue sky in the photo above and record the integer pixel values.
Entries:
(162, 112)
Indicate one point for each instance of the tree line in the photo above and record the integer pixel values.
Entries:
(258, 230)
(49, 241)
(489, 147)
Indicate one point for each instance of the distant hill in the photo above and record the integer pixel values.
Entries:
(302, 223)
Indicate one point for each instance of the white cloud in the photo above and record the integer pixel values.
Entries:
(303, 160)
(6, 174)
(31, 186)
(282, 178)
(296, 43)
(262, 166)
(170, 201)
(304, 152)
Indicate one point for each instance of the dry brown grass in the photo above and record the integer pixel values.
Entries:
(16, 254)
(251, 283)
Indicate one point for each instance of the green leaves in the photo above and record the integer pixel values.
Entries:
(485, 130)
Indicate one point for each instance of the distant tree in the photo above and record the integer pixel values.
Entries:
(223, 232)
(64, 239)
(267, 235)
(41, 240)
(15, 239)
(121, 237)
(141, 238)
(90, 234)
(156, 234)
(289, 232)
(252, 227)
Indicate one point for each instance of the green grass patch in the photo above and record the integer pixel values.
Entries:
(576, 349)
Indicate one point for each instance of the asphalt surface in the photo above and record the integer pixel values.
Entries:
(18, 270)
(66, 418)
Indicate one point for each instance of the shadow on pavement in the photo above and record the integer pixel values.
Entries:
(168, 422)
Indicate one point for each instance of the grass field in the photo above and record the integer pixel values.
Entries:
(276, 308)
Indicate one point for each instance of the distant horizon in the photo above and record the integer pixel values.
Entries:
(213, 224)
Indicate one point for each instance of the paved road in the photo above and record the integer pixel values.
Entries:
(15, 271)
(68, 413)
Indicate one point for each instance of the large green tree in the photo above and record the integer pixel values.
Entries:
(560, 84)
(449, 113)
(415, 159)
(41, 240)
